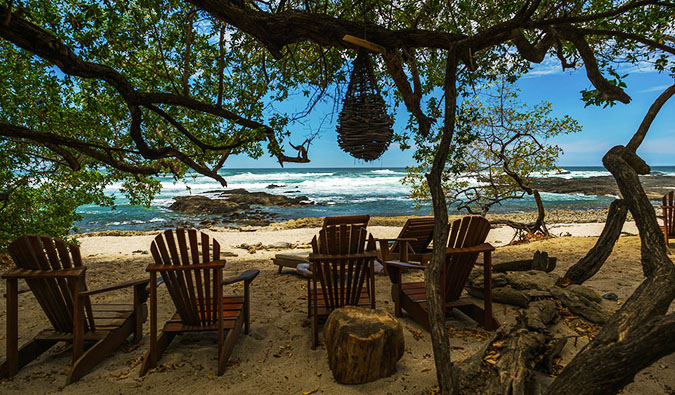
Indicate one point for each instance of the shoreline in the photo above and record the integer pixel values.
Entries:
(553, 217)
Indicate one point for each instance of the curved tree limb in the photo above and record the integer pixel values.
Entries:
(591, 263)
(411, 99)
(47, 46)
(635, 337)
(57, 142)
(447, 377)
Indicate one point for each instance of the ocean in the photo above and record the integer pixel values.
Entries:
(334, 191)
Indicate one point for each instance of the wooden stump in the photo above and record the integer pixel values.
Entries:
(363, 344)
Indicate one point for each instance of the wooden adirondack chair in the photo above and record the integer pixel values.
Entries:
(343, 272)
(54, 273)
(293, 259)
(416, 234)
(466, 242)
(189, 263)
(668, 207)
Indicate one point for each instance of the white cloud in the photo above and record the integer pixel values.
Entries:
(655, 88)
(662, 145)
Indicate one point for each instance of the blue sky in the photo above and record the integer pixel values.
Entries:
(602, 127)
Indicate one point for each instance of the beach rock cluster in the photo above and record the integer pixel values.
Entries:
(244, 197)
(198, 204)
(655, 185)
(233, 201)
(235, 206)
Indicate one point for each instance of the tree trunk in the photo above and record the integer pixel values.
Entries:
(640, 332)
(539, 225)
(444, 370)
(596, 257)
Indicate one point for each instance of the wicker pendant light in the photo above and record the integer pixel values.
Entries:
(364, 127)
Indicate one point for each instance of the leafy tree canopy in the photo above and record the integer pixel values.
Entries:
(500, 143)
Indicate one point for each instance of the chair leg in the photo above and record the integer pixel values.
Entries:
(96, 353)
(158, 348)
(396, 296)
(280, 269)
(26, 354)
(247, 307)
(309, 299)
(12, 363)
(228, 345)
(140, 311)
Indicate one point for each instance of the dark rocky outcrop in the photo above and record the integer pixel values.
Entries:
(233, 202)
(243, 196)
(202, 205)
(655, 185)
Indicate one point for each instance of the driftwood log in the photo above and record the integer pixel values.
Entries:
(540, 261)
(363, 344)
(505, 365)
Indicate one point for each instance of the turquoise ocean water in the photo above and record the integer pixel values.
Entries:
(334, 191)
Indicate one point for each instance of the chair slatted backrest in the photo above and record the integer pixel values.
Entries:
(668, 207)
(193, 291)
(466, 232)
(343, 279)
(32, 252)
(421, 229)
(360, 220)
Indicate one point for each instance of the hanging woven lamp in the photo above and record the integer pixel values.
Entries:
(364, 128)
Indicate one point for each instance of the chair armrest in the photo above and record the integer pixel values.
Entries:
(125, 284)
(396, 239)
(345, 257)
(485, 247)
(28, 274)
(175, 268)
(405, 265)
(246, 276)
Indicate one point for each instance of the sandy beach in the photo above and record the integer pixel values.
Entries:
(276, 357)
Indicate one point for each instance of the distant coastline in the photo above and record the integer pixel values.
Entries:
(344, 191)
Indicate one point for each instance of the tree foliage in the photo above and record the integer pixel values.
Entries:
(500, 144)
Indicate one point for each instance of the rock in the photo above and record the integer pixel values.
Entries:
(537, 294)
(610, 296)
(532, 279)
(476, 279)
(272, 186)
(579, 304)
(585, 292)
(506, 295)
(202, 205)
(280, 245)
(654, 185)
(207, 222)
(363, 344)
(245, 197)
(540, 314)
